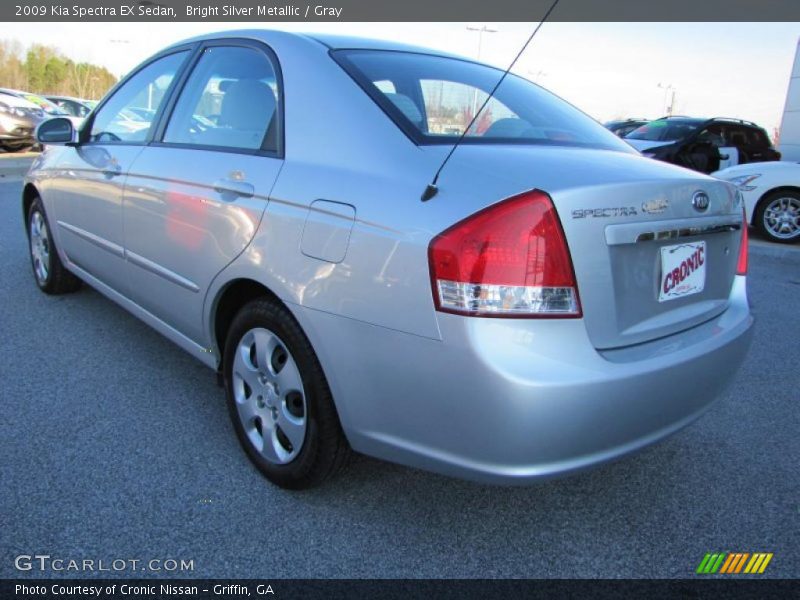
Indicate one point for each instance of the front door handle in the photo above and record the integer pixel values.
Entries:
(112, 171)
(230, 189)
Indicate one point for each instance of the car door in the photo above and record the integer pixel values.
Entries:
(195, 197)
(705, 150)
(88, 207)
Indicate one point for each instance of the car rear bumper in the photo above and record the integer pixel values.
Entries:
(511, 401)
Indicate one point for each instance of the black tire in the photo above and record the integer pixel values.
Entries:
(10, 149)
(763, 228)
(324, 449)
(55, 278)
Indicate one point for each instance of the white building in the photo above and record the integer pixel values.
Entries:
(790, 125)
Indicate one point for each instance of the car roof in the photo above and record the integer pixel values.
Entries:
(62, 97)
(332, 42)
(341, 42)
(20, 93)
(704, 120)
(627, 121)
(683, 119)
(18, 101)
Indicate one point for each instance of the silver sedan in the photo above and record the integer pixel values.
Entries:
(558, 302)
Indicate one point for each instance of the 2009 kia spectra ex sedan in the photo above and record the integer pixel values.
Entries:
(559, 301)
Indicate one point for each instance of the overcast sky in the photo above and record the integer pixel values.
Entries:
(609, 70)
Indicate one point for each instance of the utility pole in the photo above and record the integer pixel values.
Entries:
(481, 30)
(668, 108)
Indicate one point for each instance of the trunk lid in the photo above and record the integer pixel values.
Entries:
(629, 222)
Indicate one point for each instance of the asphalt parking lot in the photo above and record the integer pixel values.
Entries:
(116, 444)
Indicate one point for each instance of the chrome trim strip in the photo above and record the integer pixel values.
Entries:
(670, 234)
(670, 229)
(156, 269)
(103, 243)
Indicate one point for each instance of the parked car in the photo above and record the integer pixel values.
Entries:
(772, 197)
(557, 301)
(50, 109)
(623, 127)
(705, 145)
(74, 106)
(18, 121)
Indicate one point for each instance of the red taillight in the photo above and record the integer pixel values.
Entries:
(510, 259)
(741, 265)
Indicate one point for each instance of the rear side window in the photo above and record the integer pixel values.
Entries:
(434, 98)
(738, 136)
(229, 101)
(759, 138)
(128, 115)
(450, 106)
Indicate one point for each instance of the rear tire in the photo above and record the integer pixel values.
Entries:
(279, 400)
(778, 217)
(50, 274)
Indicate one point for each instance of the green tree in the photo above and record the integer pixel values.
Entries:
(44, 70)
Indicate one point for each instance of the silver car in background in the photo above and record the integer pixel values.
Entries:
(18, 121)
(560, 301)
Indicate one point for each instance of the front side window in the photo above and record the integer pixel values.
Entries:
(434, 98)
(713, 134)
(229, 101)
(128, 114)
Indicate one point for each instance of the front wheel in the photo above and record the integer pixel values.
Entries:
(778, 217)
(50, 274)
(279, 400)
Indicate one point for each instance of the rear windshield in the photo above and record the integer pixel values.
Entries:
(665, 131)
(434, 98)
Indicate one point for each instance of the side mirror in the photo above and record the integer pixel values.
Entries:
(58, 130)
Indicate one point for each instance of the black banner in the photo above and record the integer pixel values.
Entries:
(196, 589)
(260, 11)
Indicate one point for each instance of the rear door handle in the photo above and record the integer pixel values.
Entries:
(230, 189)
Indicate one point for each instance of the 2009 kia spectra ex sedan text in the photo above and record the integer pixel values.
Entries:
(256, 198)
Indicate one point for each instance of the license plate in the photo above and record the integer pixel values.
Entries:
(683, 270)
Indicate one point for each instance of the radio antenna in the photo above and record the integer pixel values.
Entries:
(431, 190)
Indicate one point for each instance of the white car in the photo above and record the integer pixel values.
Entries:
(771, 193)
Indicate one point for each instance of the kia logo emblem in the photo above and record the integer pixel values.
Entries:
(700, 201)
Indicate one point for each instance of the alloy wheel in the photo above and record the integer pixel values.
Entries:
(782, 217)
(40, 247)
